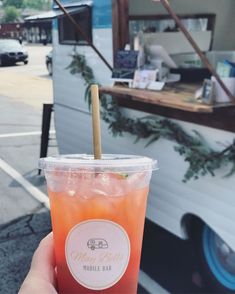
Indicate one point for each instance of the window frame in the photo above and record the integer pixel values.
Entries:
(82, 42)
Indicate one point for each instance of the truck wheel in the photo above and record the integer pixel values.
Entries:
(216, 261)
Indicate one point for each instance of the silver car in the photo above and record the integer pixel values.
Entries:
(11, 52)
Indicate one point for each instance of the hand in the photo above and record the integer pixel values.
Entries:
(41, 277)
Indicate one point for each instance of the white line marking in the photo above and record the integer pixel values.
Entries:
(23, 134)
(150, 285)
(35, 192)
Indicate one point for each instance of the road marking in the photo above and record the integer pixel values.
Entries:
(144, 280)
(23, 134)
(35, 192)
(150, 285)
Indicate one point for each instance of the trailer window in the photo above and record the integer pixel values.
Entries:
(68, 34)
(162, 23)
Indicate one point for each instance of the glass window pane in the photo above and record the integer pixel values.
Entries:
(68, 34)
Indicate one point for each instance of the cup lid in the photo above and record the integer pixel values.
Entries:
(109, 162)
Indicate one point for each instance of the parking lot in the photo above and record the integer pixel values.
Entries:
(29, 84)
(23, 219)
(167, 263)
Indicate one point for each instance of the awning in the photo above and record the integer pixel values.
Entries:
(73, 3)
(44, 16)
(55, 13)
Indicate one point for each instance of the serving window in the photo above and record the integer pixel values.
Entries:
(163, 23)
(177, 100)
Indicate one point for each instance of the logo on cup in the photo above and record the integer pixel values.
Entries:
(99, 262)
(97, 243)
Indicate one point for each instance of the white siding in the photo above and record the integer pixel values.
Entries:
(211, 199)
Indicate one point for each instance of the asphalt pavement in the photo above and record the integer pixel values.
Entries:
(24, 220)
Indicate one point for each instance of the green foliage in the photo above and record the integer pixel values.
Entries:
(15, 3)
(37, 4)
(34, 4)
(202, 159)
(11, 14)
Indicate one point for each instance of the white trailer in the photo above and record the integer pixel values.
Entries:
(203, 209)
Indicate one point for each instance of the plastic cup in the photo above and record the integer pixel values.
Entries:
(98, 212)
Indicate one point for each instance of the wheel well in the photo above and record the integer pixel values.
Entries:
(190, 224)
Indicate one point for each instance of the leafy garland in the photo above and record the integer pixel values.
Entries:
(202, 158)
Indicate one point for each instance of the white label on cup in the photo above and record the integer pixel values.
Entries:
(97, 253)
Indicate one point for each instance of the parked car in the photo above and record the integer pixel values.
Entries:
(11, 52)
(49, 62)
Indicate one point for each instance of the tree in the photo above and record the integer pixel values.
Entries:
(15, 3)
(11, 14)
(34, 4)
(37, 4)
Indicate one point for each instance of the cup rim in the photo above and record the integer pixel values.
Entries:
(113, 162)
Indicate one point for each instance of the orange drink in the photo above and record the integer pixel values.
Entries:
(98, 212)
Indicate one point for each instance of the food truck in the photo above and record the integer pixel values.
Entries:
(192, 194)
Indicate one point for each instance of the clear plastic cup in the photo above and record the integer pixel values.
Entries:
(98, 212)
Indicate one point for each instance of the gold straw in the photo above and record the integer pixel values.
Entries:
(96, 121)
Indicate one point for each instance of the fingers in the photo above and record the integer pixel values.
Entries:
(43, 261)
(41, 277)
(34, 285)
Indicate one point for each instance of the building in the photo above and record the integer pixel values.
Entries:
(12, 30)
(30, 29)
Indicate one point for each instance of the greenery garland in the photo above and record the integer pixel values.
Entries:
(201, 157)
